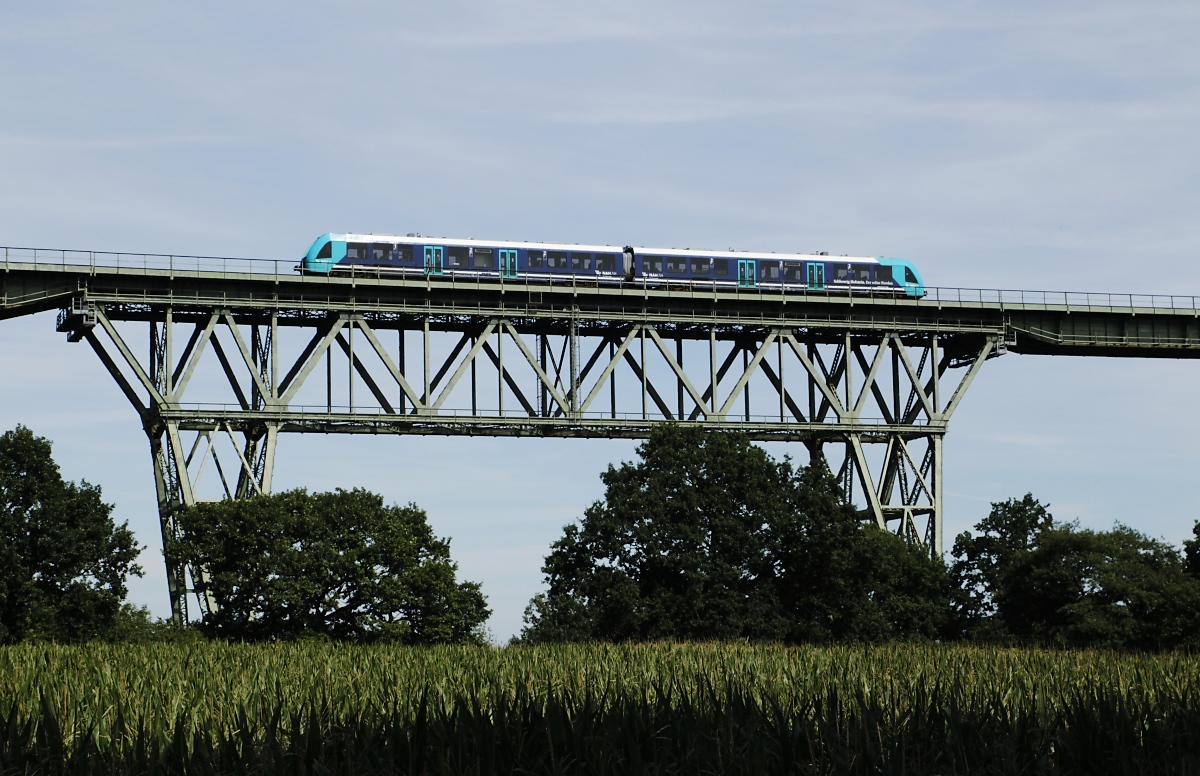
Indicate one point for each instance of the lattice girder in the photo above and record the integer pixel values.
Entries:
(241, 377)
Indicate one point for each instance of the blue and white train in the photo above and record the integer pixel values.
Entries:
(604, 264)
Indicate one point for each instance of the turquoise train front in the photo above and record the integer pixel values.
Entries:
(414, 254)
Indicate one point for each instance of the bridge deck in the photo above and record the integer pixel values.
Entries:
(1057, 323)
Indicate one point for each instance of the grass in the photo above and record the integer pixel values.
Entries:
(327, 708)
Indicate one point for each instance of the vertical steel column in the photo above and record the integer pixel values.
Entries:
(167, 387)
(400, 367)
(274, 382)
(846, 365)
(474, 394)
(543, 410)
(573, 401)
(712, 368)
(176, 580)
(935, 363)
(183, 496)
(782, 384)
(612, 382)
(812, 385)
(268, 468)
(643, 338)
(427, 399)
(745, 388)
(936, 541)
(678, 379)
(167, 475)
(897, 409)
(256, 358)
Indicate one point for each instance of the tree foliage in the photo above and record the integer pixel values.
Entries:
(708, 537)
(63, 561)
(338, 564)
(1026, 578)
(984, 560)
(1191, 550)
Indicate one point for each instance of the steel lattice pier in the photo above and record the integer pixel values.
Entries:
(838, 392)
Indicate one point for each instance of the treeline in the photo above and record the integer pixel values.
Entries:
(707, 537)
(340, 566)
(703, 537)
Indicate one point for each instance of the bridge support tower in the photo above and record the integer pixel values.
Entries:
(219, 384)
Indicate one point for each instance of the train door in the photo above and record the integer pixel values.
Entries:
(816, 276)
(746, 277)
(912, 284)
(508, 263)
(433, 259)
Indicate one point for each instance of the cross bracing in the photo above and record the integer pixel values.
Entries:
(215, 388)
(218, 363)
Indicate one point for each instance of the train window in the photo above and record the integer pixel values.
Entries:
(326, 252)
(793, 271)
(652, 264)
(581, 260)
(676, 264)
(883, 273)
(721, 267)
(556, 259)
(537, 259)
(381, 252)
(768, 271)
(404, 254)
(862, 273)
(356, 251)
(606, 262)
(909, 276)
(699, 266)
(481, 258)
(457, 256)
(841, 272)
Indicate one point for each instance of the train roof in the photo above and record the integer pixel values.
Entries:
(731, 254)
(755, 255)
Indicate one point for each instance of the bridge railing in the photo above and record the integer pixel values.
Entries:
(231, 266)
(55, 257)
(1070, 299)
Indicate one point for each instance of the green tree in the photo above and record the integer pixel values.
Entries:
(982, 560)
(1025, 577)
(911, 591)
(1117, 589)
(1191, 549)
(63, 561)
(708, 537)
(337, 564)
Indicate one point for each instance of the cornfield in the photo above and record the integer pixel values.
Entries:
(645, 709)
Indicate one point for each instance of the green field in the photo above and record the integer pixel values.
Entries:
(321, 708)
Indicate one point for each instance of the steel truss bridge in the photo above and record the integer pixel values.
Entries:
(220, 356)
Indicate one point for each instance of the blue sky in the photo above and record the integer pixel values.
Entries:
(1023, 145)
